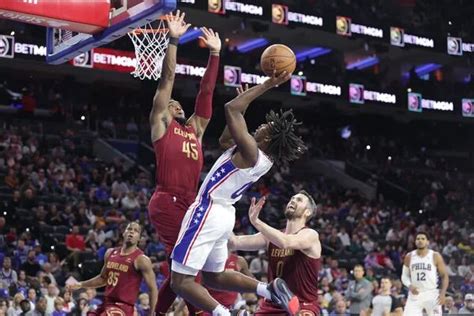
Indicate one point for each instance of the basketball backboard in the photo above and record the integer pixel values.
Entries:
(76, 26)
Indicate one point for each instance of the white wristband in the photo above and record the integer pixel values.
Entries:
(406, 276)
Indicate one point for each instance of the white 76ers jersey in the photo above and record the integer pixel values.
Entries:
(423, 272)
(208, 223)
(225, 183)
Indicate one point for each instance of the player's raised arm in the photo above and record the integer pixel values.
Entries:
(144, 265)
(304, 239)
(246, 144)
(225, 140)
(203, 107)
(160, 116)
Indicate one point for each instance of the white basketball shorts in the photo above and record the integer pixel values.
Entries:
(202, 240)
(427, 300)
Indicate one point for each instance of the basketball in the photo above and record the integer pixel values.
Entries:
(278, 57)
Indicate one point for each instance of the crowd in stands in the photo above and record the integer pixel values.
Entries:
(63, 208)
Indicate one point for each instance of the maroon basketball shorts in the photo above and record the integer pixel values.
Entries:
(166, 212)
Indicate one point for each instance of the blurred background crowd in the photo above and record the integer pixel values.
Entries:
(63, 206)
(76, 163)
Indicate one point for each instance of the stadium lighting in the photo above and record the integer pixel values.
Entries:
(250, 45)
(389, 158)
(190, 35)
(364, 63)
(423, 70)
(312, 53)
(426, 69)
(367, 147)
(83, 117)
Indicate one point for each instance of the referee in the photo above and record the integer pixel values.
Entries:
(385, 304)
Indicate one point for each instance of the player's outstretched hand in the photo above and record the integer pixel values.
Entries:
(414, 290)
(176, 24)
(255, 209)
(73, 287)
(211, 39)
(241, 89)
(276, 80)
(442, 299)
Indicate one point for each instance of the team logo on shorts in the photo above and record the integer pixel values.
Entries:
(216, 6)
(343, 26)
(397, 36)
(6, 46)
(298, 85)
(356, 93)
(114, 311)
(454, 46)
(232, 76)
(279, 14)
(414, 102)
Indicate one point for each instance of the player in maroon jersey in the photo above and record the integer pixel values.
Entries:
(227, 298)
(123, 271)
(177, 144)
(294, 255)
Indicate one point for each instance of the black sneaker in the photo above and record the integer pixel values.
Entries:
(282, 296)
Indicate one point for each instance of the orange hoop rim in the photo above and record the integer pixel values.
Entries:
(139, 31)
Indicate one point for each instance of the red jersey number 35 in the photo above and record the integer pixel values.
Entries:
(190, 149)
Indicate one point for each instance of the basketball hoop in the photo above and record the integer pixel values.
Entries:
(150, 49)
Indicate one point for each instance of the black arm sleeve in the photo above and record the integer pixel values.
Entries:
(396, 303)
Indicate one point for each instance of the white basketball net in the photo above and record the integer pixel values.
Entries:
(150, 48)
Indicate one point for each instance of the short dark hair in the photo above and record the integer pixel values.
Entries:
(47, 280)
(312, 202)
(359, 265)
(423, 233)
(3, 300)
(285, 145)
(25, 305)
